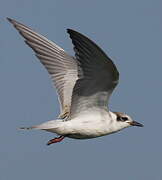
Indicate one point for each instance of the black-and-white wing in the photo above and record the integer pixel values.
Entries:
(62, 67)
(98, 75)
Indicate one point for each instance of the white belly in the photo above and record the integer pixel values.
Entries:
(86, 126)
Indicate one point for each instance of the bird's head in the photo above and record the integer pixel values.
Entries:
(123, 120)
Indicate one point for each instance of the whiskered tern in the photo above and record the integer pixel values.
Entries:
(84, 84)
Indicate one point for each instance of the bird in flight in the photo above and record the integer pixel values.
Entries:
(84, 84)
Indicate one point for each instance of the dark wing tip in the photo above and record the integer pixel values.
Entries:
(13, 22)
(10, 20)
(69, 30)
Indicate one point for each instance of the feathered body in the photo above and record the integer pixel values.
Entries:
(84, 84)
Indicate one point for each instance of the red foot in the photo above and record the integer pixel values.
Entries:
(55, 140)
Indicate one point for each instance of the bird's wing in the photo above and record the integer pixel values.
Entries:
(62, 68)
(98, 76)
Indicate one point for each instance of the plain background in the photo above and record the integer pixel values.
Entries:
(130, 32)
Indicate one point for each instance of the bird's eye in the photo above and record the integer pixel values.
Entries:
(119, 118)
(124, 118)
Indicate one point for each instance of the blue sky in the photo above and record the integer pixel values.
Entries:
(130, 33)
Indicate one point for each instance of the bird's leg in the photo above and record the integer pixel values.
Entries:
(55, 140)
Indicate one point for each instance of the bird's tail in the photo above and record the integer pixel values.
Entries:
(27, 128)
(44, 126)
